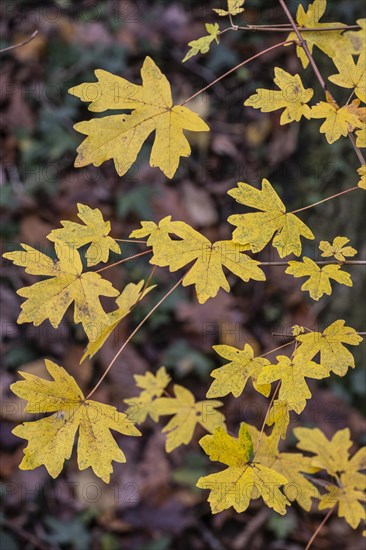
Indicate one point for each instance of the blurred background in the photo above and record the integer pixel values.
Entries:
(152, 502)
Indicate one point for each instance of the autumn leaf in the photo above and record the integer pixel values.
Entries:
(337, 249)
(333, 455)
(126, 301)
(187, 414)
(202, 45)
(121, 136)
(153, 386)
(279, 418)
(243, 480)
(49, 299)
(232, 377)
(51, 439)
(95, 231)
(334, 356)
(255, 230)
(318, 283)
(292, 466)
(351, 75)
(234, 7)
(362, 172)
(328, 42)
(297, 329)
(207, 272)
(292, 373)
(339, 121)
(357, 39)
(292, 96)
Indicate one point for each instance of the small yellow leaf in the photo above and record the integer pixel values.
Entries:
(292, 373)
(348, 491)
(362, 173)
(243, 480)
(234, 7)
(337, 249)
(232, 377)
(126, 301)
(297, 329)
(202, 45)
(328, 42)
(279, 418)
(187, 414)
(351, 75)
(255, 230)
(142, 405)
(95, 231)
(357, 39)
(120, 137)
(207, 272)
(318, 283)
(51, 439)
(51, 298)
(334, 356)
(338, 121)
(293, 97)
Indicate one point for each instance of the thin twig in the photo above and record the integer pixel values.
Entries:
(236, 68)
(321, 80)
(288, 28)
(309, 544)
(123, 260)
(266, 416)
(31, 37)
(276, 349)
(325, 200)
(322, 262)
(133, 334)
(128, 241)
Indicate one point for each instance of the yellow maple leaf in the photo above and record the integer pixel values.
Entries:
(279, 418)
(297, 329)
(126, 301)
(357, 39)
(49, 299)
(329, 42)
(153, 386)
(333, 456)
(120, 137)
(232, 377)
(255, 230)
(95, 231)
(337, 249)
(291, 465)
(339, 121)
(362, 172)
(351, 75)
(51, 439)
(187, 414)
(318, 283)
(334, 356)
(202, 45)
(292, 373)
(292, 96)
(234, 7)
(207, 272)
(244, 479)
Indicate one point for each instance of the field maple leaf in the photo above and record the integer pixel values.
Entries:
(318, 283)
(357, 39)
(202, 45)
(351, 75)
(121, 136)
(153, 386)
(187, 414)
(333, 455)
(337, 249)
(292, 373)
(292, 96)
(207, 272)
(256, 229)
(329, 42)
(362, 172)
(232, 377)
(234, 7)
(95, 231)
(51, 439)
(49, 299)
(334, 356)
(244, 479)
(339, 121)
